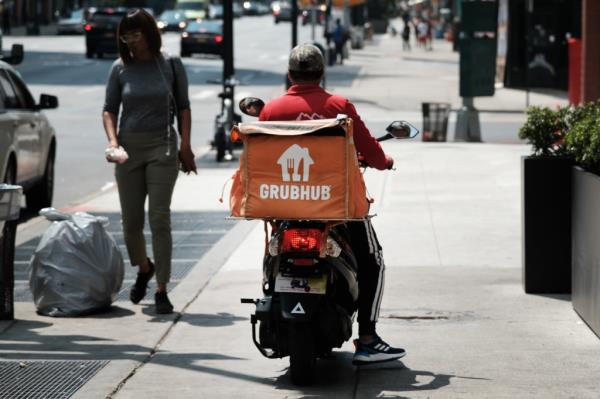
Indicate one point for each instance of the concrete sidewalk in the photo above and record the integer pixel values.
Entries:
(449, 221)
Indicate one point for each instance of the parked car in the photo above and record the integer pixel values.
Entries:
(101, 32)
(28, 141)
(215, 11)
(253, 7)
(171, 20)
(320, 15)
(282, 11)
(238, 11)
(73, 25)
(193, 9)
(205, 37)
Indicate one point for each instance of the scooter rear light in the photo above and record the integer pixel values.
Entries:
(218, 39)
(88, 27)
(301, 240)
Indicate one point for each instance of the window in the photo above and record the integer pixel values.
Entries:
(10, 96)
(23, 94)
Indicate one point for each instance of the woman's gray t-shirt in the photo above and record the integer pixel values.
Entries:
(143, 92)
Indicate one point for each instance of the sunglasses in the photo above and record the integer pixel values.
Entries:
(131, 37)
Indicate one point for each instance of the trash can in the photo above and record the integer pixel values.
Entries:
(435, 121)
(10, 206)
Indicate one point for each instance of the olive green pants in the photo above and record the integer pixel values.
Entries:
(149, 172)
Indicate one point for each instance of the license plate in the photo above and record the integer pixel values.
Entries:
(301, 285)
(201, 40)
(109, 34)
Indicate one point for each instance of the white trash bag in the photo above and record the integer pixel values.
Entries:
(77, 267)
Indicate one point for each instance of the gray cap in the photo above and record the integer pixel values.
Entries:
(306, 58)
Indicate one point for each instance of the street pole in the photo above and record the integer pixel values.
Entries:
(467, 122)
(313, 20)
(288, 84)
(294, 23)
(528, 12)
(228, 69)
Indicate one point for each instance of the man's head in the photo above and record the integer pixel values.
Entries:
(306, 64)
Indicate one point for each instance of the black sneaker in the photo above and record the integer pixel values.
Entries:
(138, 291)
(163, 305)
(375, 352)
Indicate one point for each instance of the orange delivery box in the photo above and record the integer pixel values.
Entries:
(298, 170)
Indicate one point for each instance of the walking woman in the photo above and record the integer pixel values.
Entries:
(149, 89)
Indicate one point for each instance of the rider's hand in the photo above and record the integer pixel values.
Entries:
(186, 157)
(389, 162)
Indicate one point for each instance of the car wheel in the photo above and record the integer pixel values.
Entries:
(185, 54)
(99, 54)
(89, 53)
(40, 196)
(10, 176)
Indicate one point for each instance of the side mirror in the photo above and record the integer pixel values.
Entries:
(251, 106)
(48, 102)
(16, 55)
(401, 130)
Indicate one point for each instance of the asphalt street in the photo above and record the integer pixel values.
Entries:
(57, 65)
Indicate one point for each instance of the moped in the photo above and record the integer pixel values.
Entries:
(310, 283)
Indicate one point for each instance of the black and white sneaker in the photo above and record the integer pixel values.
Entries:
(376, 351)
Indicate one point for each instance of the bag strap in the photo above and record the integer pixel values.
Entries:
(174, 88)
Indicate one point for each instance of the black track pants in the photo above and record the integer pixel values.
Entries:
(371, 274)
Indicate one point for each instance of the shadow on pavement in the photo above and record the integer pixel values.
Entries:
(113, 312)
(23, 341)
(390, 379)
(211, 320)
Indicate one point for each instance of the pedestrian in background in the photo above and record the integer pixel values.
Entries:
(429, 35)
(339, 37)
(406, 36)
(150, 88)
(422, 32)
(6, 15)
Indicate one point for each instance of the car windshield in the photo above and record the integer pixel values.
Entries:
(107, 17)
(171, 15)
(205, 26)
(77, 14)
(191, 6)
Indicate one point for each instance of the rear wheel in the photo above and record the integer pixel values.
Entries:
(302, 353)
(10, 175)
(40, 196)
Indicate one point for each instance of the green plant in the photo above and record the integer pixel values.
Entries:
(583, 139)
(545, 129)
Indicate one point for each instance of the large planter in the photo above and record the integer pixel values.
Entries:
(546, 225)
(586, 247)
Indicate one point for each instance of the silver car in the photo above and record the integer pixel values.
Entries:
(27, 140)
(73, 24)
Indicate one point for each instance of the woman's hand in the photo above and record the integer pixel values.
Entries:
(107, 152)
(186, 157)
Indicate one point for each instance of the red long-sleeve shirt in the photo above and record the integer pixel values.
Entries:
(310, 101)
